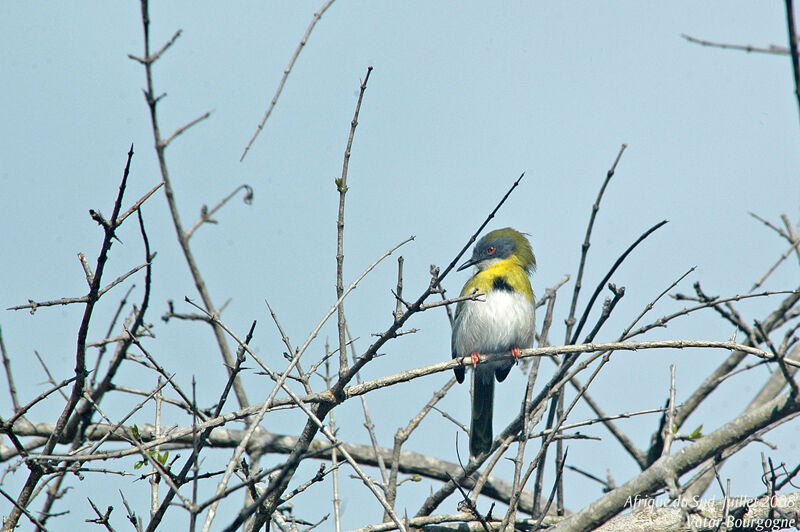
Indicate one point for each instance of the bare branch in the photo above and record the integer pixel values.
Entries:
(139, 203)
(585, 246)
(19, 412)
(180, 130)
(12, 390)
(206, 214)
(775, 228)
(475, 296)
(150, 59)
(608, 275)
(771, 49)
(341, 186)
(286, 73)
(669, 430)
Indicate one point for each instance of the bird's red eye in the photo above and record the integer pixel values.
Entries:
(490, 250)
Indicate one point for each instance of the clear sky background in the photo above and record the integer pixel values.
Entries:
(463, 98)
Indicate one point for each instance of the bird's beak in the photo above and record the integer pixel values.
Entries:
(470, 262)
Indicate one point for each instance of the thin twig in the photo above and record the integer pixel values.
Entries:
(474, 236)
(206, 214)
(586, 243)
(154, 479)
(608, 275)
(149, 59)
(668, 432)
(23, 510)
(139, 203)
(195, 455)
(603, 419)
(337, 518)
(794, 234)
(528, 413)
(772, 226)
(475, 296)
(12, 390)
(794, 247)
(714, 302)
(33, 305)
(134, 520)
(341, 186)
(112, 324)
(102, 519)
(180, 130)
(559, 472)
(19, 412)
(398, 310)
(771, 49)
(402, 435)
(369, 425)
(286, 73)
(114, 427)
(291, 350)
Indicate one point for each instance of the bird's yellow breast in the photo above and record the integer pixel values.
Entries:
(504, 274)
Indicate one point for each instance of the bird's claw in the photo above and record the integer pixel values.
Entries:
(515, 352)
(475, 356)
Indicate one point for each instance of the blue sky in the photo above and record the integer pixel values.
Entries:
(464, 97)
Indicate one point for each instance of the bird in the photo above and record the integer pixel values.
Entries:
(502, 321)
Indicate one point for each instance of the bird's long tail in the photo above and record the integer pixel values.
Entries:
(480, 431)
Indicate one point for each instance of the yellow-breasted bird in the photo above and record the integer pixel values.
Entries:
(504, 321)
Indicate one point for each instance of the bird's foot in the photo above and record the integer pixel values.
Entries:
(475, 356)
(515, 352)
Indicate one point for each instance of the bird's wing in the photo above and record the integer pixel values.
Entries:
(459, 370)
(473, 284)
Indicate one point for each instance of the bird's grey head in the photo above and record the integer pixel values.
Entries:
(492, 248)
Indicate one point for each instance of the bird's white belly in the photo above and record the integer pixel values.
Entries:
(505, 320)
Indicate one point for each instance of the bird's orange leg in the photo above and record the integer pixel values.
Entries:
(515, 352)
(475, 356)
